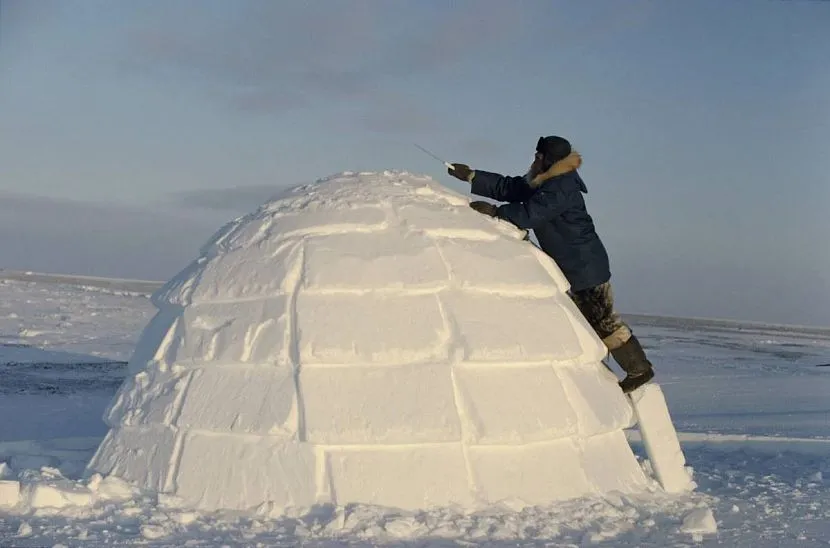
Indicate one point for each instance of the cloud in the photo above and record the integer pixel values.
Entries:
(236, 200)
(70, 237)
(481, 147)
(266, 57)
(393, 113)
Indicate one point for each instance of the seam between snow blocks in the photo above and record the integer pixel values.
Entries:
(176, 455)
(175, 461)
(410, 291)
(454, 350)
(298, 272)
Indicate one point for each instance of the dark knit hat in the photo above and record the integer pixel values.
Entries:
(553, 149)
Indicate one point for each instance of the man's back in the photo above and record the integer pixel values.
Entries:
(553, 206)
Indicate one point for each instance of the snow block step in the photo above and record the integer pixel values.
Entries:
(660, 439)
(59, 494)
(9, 493)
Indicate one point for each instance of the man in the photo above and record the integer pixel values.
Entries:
(548, 200)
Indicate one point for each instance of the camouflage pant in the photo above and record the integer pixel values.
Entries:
(597, 305)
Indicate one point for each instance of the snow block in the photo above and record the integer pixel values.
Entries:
(399, 329)
(323, 221)
(177, 291)
(249, 400)
(447, 222)
(274, 225)
(410, 477)
(551, 268)
(141, 455)
(593, 349)
(377, 261)
(57, 494)
(380, 405)
(247, 332)
(610, 465)
(240, 234)
(493, 328)
(660, 439)
(499, 266)
(148, 397)
(5, 471)
(154, 340)
(586, 386)
(9, 493)
(535, 474)
(242, 472)
(504, 405)
(262, 271)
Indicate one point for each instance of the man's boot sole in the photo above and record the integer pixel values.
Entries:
(636, 382)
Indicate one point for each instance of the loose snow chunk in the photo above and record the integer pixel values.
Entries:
(535, 474)
(137, 454)
(407, 477)
(494, 328)
(243, 472)
(498, 266)
(258, 400)
(149, 397)
(700, 520)
(408, 404)
(264, 270)
(5, 471)
(251, 332)
(610, 464)
(111, 488)
(9, 493)
(394, 329)
(373, 261)
(515, 405)
(596, 398)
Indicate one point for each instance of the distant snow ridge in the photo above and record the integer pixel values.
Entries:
(368, 338)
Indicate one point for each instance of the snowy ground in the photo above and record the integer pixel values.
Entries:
(750, 402)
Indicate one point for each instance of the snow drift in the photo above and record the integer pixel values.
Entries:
(368, 338)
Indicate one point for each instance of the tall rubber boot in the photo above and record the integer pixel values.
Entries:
(632, 360)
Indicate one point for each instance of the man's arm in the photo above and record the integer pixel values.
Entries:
(499, 187)
(540, 208)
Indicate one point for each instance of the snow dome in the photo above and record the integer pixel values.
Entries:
(369, 339)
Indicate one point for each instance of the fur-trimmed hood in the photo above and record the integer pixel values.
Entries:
(571, 162)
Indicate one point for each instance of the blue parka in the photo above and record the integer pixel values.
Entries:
(551, 204)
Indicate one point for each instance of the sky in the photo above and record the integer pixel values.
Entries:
(131, 131)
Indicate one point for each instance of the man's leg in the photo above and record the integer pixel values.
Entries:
(597, 305)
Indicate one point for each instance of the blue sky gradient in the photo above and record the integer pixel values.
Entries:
(704, 125)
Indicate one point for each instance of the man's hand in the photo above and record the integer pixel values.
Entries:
(484, 208)
(462, 171)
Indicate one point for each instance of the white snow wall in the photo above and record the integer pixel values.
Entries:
(369, 338)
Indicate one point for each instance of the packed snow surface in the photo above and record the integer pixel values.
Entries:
(369, 338)
(749, 401)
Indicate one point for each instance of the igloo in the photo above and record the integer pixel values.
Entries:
(369, 338)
